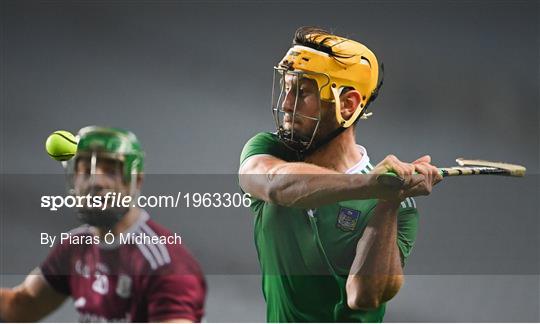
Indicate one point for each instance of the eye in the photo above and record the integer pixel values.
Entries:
(82, 167)
(110, 167)
(288, 87)
(305, 91)
(83, 170)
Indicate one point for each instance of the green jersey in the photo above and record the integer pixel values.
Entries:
(305, 254)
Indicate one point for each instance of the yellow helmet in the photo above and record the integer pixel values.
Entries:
(334, 63)
(337, 63)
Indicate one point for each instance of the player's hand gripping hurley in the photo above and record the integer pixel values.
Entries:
(466, 167)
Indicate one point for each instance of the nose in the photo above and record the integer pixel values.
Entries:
(289, 101)
(97, 182)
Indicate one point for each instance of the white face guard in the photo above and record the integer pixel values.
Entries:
(296, 107)
(87, 176)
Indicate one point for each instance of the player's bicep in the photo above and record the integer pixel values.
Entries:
(254, 173)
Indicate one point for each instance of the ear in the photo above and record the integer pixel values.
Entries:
(350, 101)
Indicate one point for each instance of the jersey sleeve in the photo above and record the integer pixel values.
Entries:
(268, 144)
(177, 292)
(407, 228)
(262, 143)
(55, 268)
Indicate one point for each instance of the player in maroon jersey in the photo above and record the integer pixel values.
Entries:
(147, 281)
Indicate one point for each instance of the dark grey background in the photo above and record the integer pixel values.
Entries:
(193, 81)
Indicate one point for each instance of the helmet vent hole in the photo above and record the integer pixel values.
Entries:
(305, 59)
(364, 60)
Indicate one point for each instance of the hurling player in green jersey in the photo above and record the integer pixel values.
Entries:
(331, 241)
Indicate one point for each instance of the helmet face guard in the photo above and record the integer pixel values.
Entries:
(98, 179)
(291, 92)
(104, 170)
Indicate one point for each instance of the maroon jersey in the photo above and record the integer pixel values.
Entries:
(146, 282)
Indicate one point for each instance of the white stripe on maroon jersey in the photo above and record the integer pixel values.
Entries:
(153, 249)
(162, 249)
(147, 255)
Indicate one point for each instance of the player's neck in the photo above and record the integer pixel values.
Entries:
(340, 154)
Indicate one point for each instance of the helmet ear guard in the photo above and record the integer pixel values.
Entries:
(358, 113)
(345, 123)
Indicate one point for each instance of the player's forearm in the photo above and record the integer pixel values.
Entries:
(376, 274)
(6, 296)
(30, 301)
(14, 307)
(306, 185)
(8, 306)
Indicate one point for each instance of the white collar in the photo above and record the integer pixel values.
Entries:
(362, 164)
